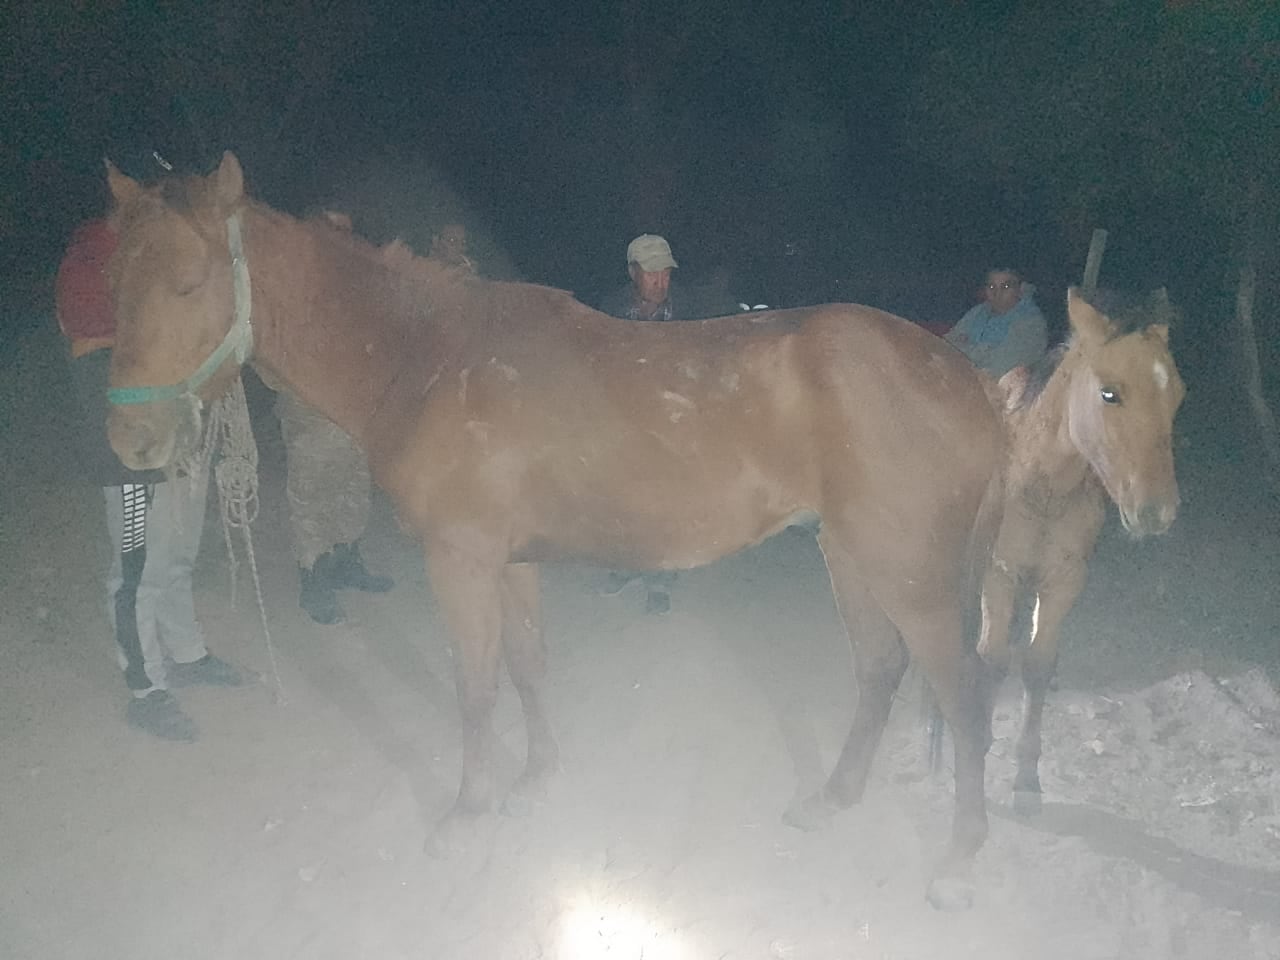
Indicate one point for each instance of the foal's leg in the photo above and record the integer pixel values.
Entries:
(880, 660)
(467, 589)
(526, 663)
(1063, 568)
(999, 593)
(1056, 596)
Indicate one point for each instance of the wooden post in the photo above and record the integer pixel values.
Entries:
(1093, 265)
(1253, 375)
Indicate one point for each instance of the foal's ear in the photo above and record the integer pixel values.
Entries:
(1163, 312)
(123, 188)
(228, 181)
(1087, 322)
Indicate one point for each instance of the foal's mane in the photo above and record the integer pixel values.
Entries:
(1128, 313)
(1039, 375)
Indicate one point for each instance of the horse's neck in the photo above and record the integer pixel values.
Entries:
(1044, 456)
(322, 328)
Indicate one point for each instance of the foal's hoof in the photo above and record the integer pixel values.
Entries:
(950, 893)
(1027, 803)
(454, 834)
(812, 813)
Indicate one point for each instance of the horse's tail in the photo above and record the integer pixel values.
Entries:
(982, 541)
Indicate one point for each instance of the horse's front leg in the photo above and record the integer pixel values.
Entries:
(526, 656)
(467, 586)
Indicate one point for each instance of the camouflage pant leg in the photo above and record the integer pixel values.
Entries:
(328, 483)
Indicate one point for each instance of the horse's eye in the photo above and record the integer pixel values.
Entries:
(1110, 395)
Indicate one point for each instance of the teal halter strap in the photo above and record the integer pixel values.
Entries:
(239, 339)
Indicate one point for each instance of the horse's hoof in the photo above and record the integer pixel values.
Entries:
(452, 835)
(812, 813)
(1026, 803)
(950, 893)
(517, 805)
(526, 794)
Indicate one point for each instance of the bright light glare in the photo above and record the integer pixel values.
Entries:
(592, 929)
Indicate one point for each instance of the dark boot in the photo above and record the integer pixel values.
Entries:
(348, 570)
(158, 714)
(317, 597)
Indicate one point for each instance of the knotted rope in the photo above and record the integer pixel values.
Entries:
(228, 432)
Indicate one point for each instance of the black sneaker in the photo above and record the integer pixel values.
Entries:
(347, 570)
(317, 596)
(617, 581)
(208, 671)
(158, 714)
(657, 601)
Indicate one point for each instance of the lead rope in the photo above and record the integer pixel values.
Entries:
(236, 476)
(229, 432)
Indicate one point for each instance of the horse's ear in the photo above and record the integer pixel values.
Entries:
(340, 220)
(228, 181)
(123, 188)
(396, 253)
(1087, 322)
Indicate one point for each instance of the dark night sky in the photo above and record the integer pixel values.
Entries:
(864, 152)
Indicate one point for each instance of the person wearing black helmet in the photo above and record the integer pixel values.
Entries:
(154, 523)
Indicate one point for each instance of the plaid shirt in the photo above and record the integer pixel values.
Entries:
(622, 304)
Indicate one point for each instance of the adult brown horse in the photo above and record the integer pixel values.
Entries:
(1094, 419)
(512, 425)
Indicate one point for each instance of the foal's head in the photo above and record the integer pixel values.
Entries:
(172, 289)
(1124, 390)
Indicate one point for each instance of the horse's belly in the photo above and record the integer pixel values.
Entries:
(660, 522)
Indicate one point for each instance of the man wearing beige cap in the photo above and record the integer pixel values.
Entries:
(649, 295)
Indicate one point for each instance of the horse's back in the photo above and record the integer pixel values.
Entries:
(670, 444)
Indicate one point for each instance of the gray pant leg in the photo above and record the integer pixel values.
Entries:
(174, 527)
(144, 621)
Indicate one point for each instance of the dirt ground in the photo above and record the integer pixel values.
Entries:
(294, 826)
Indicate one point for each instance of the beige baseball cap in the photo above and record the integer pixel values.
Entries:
(650, 252)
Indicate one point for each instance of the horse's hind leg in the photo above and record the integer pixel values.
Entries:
(467, 589)
(960, 681)
(880, 659)
(526, 663)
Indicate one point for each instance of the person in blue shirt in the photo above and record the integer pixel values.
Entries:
(1006, 329)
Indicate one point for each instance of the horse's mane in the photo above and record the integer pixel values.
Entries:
(1131, 312)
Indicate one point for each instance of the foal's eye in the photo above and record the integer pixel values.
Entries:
(1110, 395)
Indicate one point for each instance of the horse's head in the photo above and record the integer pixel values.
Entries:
(181, 308)
(1124, 392)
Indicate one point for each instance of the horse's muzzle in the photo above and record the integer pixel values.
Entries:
(139, 440)
(150, 436)
(1150, 518)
